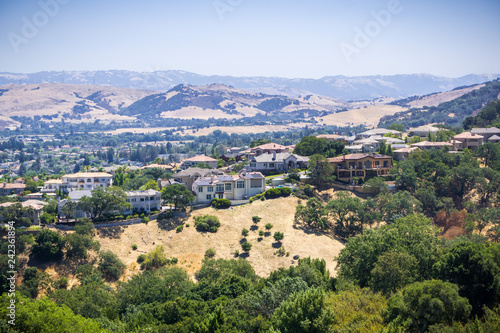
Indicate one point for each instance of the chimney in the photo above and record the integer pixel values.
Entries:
(274, 156)
(158, 181)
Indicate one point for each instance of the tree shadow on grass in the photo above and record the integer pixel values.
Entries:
(171, 223)
(277, 245)
(243, 240)
(111, 232)
(254, 227)
(244, 255)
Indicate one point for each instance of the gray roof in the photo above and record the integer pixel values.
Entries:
(485, 130)
(252, 175)
(141, 193)
(494, 138)
(78, 194)
(280, 157)
(376, 131)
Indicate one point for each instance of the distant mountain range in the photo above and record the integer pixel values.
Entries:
(340, 87)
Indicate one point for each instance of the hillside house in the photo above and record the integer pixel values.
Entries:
(193, 161)
(348, 167)
(423, 131)
(403, 153)
(427, 145)
(188, 176)
(467, 140)
(376, 131)
(279, 162)
(36, 209)
(231, 187)
(269, 148)
(79, 181)
(143, 201)
(9, 188)
(487, 133)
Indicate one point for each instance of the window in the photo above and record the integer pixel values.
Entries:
(252, 165)
(255, 183)
(228, 186)
(240, 184)
(209, 196)
(221, 196)
(89, 180)
(386, 164)
(152, 198)
(220, 188)
(128, 200)
(271, 165)
(200, 189)
(142, 199)
(210, 189)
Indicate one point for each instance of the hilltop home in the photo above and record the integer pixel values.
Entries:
(79, 181)
(487, 133)
(269, 148)
(9, 188)
(376, 131)
(348, 167)
(231, 187)
(280, 162)
(403, 153)
(190, 162)
(422, 131)
(188, 176)
(467, 140)
(143, 201)
(426, 145)
(34, 213)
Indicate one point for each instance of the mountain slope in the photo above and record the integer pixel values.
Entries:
(341, 87)
(450, 113)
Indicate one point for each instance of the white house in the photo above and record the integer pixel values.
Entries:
(143, 201)
(79, 181)
(278, 162)
(231, 187)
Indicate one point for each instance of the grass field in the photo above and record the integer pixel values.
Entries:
(189, 246)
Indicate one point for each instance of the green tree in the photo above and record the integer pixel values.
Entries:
(313, 214)
(104, 201)
(45, 316)
(304, 311)
(392, 271)
(110, 265)
(475, 268)
(422, 304)
(320, 170)
(246, 246)
(375, 186)
(48, 246)
(68, 209)
(414, 234)
(178, 195)
(77, 246)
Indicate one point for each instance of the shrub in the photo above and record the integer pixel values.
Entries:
(269, 226)
(237, 253)
(187, 225)
(278, 236)
(166, 215)
(277, 192)
(134, 247)
(244, 232)
(141, 258)
(285, 191)
(62, 283)
(256, 219)
(257, 197)
(179, 228)
(221, 203)
(145, 219)
(118, 217)
(206, 223)
(261, 233)
(174, 260)
(246, 246)
(155, 259)
(210, 253)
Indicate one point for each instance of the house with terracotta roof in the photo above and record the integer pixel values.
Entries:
(190, 162)
(348, 167)
(467, 140)
(79, 181)
(34, 211)
(269, 148)
(10, 188)
(425, 145)
(231, 187)
(403, 153)
(188, 176)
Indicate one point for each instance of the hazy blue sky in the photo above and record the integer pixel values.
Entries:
(288, 38)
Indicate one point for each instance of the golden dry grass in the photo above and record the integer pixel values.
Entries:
(368, 116)
(189, 246)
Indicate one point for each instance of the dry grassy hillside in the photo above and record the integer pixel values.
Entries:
(54, 98)
(436, 99)
(368, 116)
(189, 246)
